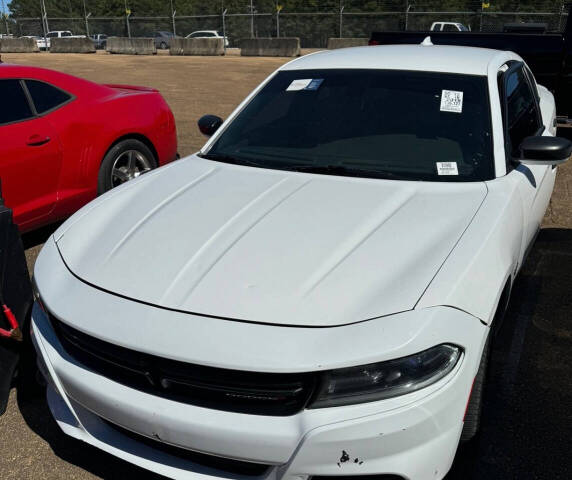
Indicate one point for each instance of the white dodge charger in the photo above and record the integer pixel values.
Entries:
(312, 294)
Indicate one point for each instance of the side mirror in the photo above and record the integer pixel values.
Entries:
(209, 124)
(545, 150)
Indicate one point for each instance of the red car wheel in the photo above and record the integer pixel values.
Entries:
(123, 162)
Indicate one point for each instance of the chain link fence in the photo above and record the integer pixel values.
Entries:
(314, 21)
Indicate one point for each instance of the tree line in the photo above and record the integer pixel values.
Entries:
(143, 8)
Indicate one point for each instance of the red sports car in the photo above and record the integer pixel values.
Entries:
(64, 140)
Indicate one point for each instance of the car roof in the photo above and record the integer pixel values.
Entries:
(430, 58)
(75, 85)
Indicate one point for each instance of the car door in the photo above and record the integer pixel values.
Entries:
(522, 119)
(30, 155)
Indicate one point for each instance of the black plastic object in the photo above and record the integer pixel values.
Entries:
(255, 393)
(545, 148)
(209, 124)
(16, 293)
(234, 467)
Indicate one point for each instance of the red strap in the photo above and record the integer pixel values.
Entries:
(14, 331)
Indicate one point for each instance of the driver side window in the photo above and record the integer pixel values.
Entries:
(523, 115)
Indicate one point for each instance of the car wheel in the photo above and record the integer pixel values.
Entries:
(475, 406)
(163, 46)
(123, 162)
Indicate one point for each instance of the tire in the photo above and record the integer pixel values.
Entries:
(474, 408)
(124, 161)
(163, 46)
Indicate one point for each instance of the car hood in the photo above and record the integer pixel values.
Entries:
(268, 246)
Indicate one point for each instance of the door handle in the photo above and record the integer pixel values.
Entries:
(37, 140)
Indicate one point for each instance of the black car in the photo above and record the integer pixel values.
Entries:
(163, 39)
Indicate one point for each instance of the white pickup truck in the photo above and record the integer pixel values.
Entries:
(448, 27)
(44, 42)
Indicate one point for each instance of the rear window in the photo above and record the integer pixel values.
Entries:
(375, 123)
(45, 96)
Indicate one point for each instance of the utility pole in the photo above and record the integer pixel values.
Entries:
(127, 15)
(341, 17)
(224, 31)
(251, 19)
(86, 16)
(173, 13)
(45, 25)
(278, 10)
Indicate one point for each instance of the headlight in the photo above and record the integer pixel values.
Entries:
(377, 381)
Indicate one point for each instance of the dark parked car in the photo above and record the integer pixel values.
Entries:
(99, 40)
(163, 39)
(549, 55)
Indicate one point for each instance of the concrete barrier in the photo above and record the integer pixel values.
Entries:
(197, 46)
(270, 47)
(131, 46)
(18, 45)
(334, 43)
(71, 45)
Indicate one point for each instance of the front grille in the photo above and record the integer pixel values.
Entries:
(236, 467)
(217, 388)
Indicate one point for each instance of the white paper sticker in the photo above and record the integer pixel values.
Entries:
(305, 84)
(451, 101)
(299, 84)
(447, 168)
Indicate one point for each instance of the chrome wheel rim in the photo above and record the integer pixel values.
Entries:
(127, 166)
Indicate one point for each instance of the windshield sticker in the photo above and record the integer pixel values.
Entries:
(314, 84)
(305, 84)
(451, 101)
(447, 168)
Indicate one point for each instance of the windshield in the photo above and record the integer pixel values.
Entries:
(370, 123)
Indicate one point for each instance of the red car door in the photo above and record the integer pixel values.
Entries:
(30, 156)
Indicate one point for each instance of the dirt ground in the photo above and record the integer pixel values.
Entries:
(32, 446)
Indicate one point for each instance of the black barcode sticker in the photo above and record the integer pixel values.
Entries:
(451, 101)
(447, 168)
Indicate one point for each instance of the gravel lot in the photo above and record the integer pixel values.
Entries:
(528, 408)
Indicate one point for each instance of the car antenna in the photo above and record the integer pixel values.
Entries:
(427, 42)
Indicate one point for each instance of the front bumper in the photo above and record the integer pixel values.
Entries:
(416, 439)
(414, 436)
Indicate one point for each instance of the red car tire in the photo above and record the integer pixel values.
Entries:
(125, 161)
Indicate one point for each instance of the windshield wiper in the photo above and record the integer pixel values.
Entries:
(322, 169)
(221, 157)
(347, 171)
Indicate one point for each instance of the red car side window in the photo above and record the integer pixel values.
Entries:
(15, 105)
(45, 96)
